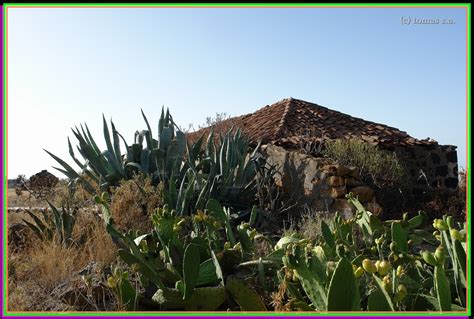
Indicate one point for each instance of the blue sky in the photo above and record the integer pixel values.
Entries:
(68, 66)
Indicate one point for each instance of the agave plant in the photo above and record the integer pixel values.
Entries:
(56, 226)
(155, 157)
(191, 174)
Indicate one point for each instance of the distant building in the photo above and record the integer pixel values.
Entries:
(293, 123)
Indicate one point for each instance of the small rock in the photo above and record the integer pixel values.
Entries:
(355, 172)
(342, 170)
(331, 169)
(363, 193)
(344, 207)
(352, 182)
(337, 192)
(335, 181)
(374, 208)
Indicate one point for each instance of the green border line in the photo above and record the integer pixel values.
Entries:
(249, 6)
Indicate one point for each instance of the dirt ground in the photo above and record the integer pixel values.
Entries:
(24, 200)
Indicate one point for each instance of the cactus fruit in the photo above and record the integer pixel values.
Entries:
(387, 283)
(383, 267)
(456, 234)
(369, 266)
(450, 221)
(381, 299)
(440, 224)
(400, 271)
(401, 293)
(359, 272)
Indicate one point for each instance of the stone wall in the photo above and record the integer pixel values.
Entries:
(431, 166)
(319, 182)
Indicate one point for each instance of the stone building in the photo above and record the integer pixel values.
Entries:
(293, 129)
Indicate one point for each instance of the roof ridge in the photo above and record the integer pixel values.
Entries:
(281, 126)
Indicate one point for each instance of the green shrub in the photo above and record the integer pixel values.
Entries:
(376, 166)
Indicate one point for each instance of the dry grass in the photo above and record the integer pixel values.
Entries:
(17, 217)
(35, 271)
(308, 223)
(98, 244)
(23, 200)
(59, 197)
(133, 202)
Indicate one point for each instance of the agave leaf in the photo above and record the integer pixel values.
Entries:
(68, 169)
(181, 140)
(150, 137)
(118, 153)
(145, 160)
(71, 152)
(165, 138)
(35, 229)
(42, 227)
(91, 139)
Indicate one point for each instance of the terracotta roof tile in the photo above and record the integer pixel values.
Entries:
(290, 120)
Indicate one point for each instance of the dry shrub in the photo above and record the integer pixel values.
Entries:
(35, 271)
(65, 195)
(307, 223)
(379, 167)
(93, 241)
(53, 263)
(133, 202)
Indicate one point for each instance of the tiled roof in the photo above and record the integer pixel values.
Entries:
(290, 121)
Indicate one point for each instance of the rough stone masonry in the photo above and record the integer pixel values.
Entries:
(290, 123)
